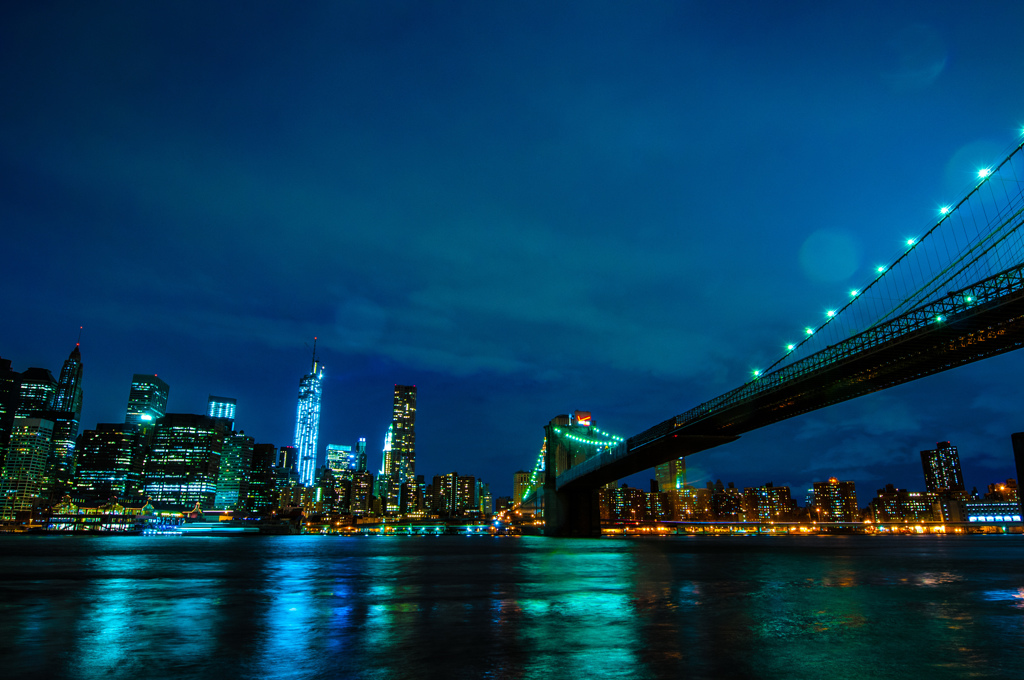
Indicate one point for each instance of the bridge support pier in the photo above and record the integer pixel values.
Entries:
(575, 514)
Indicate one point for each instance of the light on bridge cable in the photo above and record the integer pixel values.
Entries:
(757, 373)
(880, 269)
(854, 293)
(790, 347)
(910, 241)
(830, 313)
(944, 210)
(984, 172)
(809, 331)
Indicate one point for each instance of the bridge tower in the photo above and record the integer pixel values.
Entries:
(576, 512)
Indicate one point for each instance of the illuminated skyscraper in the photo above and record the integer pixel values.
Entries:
(147, 400)
(36, 393)
(307, 421)
(66, 414)
(184, 460)
(942, 468)
(221, 407)
(110, 460)
(671, 475)
(22, 481)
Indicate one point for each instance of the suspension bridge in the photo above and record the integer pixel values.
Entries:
(951, 296)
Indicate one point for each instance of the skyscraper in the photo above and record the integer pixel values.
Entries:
(147, 400)
(235, 464)
(184, 460)
(221, 407)
(10, 387)
(110, 460)
(307, 421)
(66, 414)
(403, 442)
(23, 478)
(942, 468)
(36, 392)
(671, 475)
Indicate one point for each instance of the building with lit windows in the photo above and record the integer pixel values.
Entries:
(520, 486)
(835, 501)
(66, 413)
(899, 505)
(10, 386)
(233, 474)
(221, 407)
(35, 393)
(769, 503)
(260, 494)
(341, 459)
(147, 401)
(184, 461)
(671, 475)
(23, 479)
(110, 463)
(942, 468)
(399, 447)
(307, 421)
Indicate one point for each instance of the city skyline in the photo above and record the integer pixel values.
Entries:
(626, 217)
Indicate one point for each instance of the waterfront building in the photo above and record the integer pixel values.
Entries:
(110, 463)
(657, 508)
(221, 407)
(1006, 492)
(466, 501)
(184, 461)
(520, 486)
(991, 512)
(307, 421)
(689, 504)
(625, 504)
(147, 401)
(23, 478)
(769, 503)
(726, 502)
(445, 487)
(942, 468)
(835, 501)
(235, 467)
(899, 505)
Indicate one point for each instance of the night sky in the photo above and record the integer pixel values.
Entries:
(523, 208)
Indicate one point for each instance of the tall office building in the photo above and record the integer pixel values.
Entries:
(235, 465)
(184, 460)
(400, 457)
(221, 407)
(360, 453)
(383, 484)
(520, 485)
(23, 479)
(671, 475)
(260, 495)
(110, 462)
(307, 421)
(66, 414)
(942, 468)
(10, 387)
(36, 392)
(147, 400)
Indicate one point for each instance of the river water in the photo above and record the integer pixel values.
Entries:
(821, 607)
